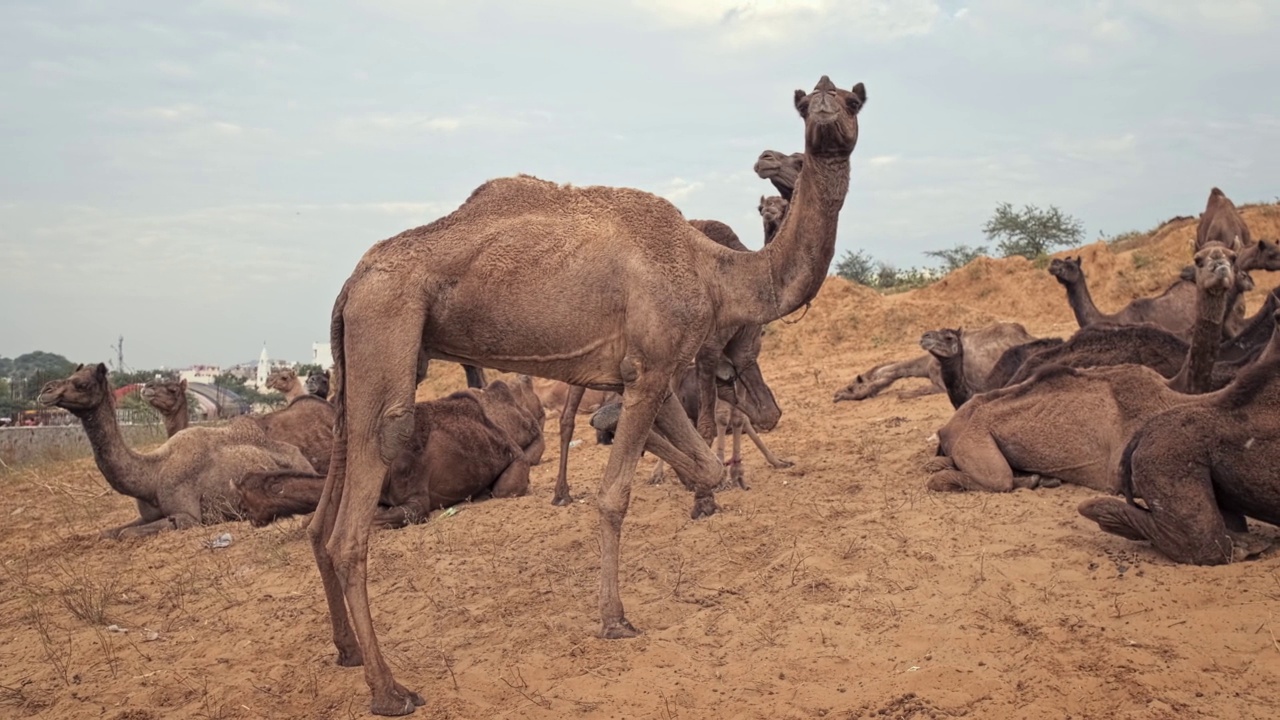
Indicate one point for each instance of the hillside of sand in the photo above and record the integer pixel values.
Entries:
(839, 588)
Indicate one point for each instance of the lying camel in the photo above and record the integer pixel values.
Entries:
(516, 410)
(185, 482)
(284, 380)
(169, 398)
(982, 349)
(1221, 223)
(1014, 358)
(1072, 425)
(773, 210)
(1202, 468)
(456, 453)
(318, 384)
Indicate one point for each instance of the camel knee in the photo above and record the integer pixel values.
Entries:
(395, 432)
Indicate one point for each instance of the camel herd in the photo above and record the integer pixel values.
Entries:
(1165, 401)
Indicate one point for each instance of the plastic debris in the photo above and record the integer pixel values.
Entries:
(574, 443)
(223, 540)
(116, 629)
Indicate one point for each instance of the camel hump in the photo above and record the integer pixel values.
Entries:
(1216, 193)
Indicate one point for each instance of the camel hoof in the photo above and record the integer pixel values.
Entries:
(109, 535)
(1048, 482)
(704, 506)
(395, 704)
(785, 464)
(619, 629)
(561, 501)
(414, 697)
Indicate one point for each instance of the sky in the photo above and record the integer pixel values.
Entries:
(201, 177)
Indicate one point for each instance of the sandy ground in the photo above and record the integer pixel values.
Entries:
(838, 588)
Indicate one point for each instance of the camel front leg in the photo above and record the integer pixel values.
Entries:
(769, 457)
(705, 370)
(735, 462)
(568, 418)
(690, 457)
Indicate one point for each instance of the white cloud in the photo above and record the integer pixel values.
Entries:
(678, 189)
(754, 22)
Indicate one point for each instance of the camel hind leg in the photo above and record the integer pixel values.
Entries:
(979, 465)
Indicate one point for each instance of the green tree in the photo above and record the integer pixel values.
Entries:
(1031, 232)
(958, 256)
(856, 267)
(886, 275)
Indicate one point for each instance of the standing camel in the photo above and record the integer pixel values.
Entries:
(494, 284)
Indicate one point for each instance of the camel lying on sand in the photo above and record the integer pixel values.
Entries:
(456, 453)
(169, 398)
(983, 348)
(318, 384)
(1202, 468)
(515, 408)
(185, 482)
(1072, 425)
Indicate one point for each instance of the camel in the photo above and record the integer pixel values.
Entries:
(781, 170)
(284, 380)
(169, 398)
(1221, 223)
(1202, 468)
(773, 210)
(184, 483)
(982, 349)
(456, 453)
(1014, 358)
(516, 410)
(1174, 309)
(307, 423)
(962, 375)
(318, 384)
(494, 284)
(553, 393)
(1072, 425)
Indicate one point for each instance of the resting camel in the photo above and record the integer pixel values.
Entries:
(494, 284)
(1221, 223)
(729, 355)
(773, 210)
(1202, 468)
(964, 377)
(318, 384)
(982, 349)
(781, 170)
(169, 398)
(1072, 425)
(516, 410)
(185, 482)
(1014, 358)
(284, 380)
(456, 453)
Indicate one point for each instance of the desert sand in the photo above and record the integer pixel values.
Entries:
(838, 588)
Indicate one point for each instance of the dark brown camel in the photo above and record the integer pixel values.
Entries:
(964, 377)
(1072, 425)
(169, 398)
(456, 453)
(184, 483)
(497, 282)
(773, 210)
(1014, 358)
(1202, 468)
(1221, 223)
(318, 384)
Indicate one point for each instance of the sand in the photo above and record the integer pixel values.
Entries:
(838, 588)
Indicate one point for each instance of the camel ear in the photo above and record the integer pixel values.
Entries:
(101, 370)
(802, 103)
(79, 367)
(857, 98)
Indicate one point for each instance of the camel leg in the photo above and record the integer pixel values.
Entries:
(705, 370)
(735, 462)
(769, 457)
(659, 472)
(475, 376)
(513, 482)
(319, 530)
(533, 453)
(142, 529)
(568, 417)
(979, 465)
(686, 453)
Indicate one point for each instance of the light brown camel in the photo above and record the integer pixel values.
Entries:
(553, 393)
(1072, 425)
(781, 170)
(495, 283)
(318, 384)
(982, 349)
(284, 380)
(456, 453)
(1201, 469)
(1173, 310)
(1221, 223)
(185, 482)
(773, 210)
(307, 423)
(169, 398)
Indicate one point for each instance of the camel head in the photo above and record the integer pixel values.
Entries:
(1266, 255)
(82, 392)
(830, 117)
(772, 209)
(1066, 269)
(781, 170)
(740, 364)
(1215, 268)
(165, 395)
(605, 421)
(943, 343)
(281, 379)
(862, 386)
(318, 383)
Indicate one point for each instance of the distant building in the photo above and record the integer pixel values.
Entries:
(264, 367)
(322, 355)
(200, 374)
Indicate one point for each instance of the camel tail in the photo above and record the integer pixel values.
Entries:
(337, 387)
(1126, 469)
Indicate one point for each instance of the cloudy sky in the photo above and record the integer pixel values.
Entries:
(201, 177)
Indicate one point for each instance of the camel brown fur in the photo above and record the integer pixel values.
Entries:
(169, 398)
(1103, 344)
(318, 384)
(496, 283)
(1221, 223)
(285, 380)
(870, 383)
(773, 210)
(184, 483)
(1202, 468)
(516, 410)
(967, 358)
(553, 393)
(1014, 358)
(307, 423)
(781, 170)
(456, 453)
(1072, 425)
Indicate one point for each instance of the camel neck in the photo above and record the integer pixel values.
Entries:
(774, 282)
(1196, 374)
(294, 392)
(954, 380)
(176, 421)
(1082, 303)
(123, 468)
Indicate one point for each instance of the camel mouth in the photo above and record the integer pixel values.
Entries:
(47, 399)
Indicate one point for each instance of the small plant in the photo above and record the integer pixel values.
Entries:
(84, 597)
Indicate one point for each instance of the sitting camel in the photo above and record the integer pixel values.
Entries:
(307, 423)
(185, 482)
(456, 453)
(285, 380)
(169, 398)
(982, 349)
(318, 384)
(1202, 468)
(1221, 223)
(516, 410)
(1072, 425)
(773, 210)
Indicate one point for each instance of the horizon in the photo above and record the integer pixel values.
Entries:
(198, 178)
